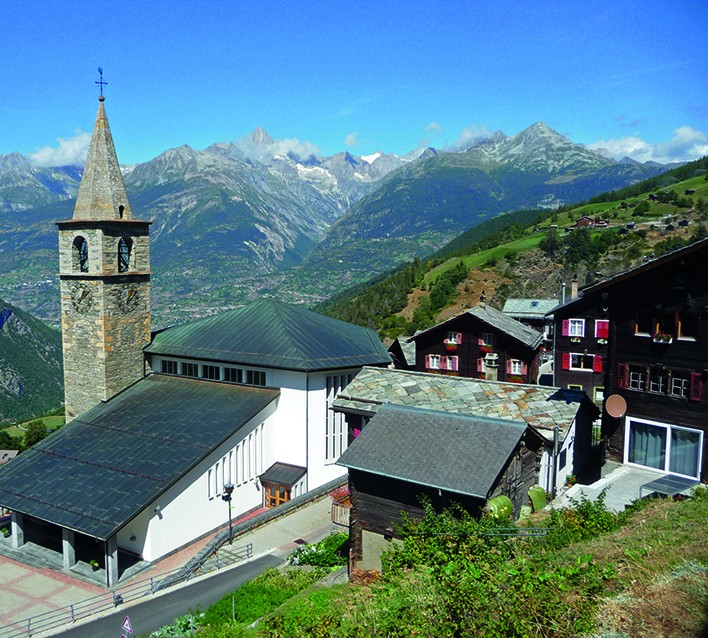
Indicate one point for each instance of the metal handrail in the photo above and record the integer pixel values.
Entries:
(110, 600)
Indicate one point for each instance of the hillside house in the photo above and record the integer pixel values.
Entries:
(481, 343)
(653, 323)
(533, 313)
(454, 439)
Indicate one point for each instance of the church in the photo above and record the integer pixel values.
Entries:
(160, 425)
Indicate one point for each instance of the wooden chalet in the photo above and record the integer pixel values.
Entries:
(481, 343)
(413, 434)
(640, 339)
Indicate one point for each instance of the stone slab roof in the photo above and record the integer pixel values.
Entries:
(273, 334)
(453, 452)
(539, 406)
(529, 308)
(102, 469)
(499, 321)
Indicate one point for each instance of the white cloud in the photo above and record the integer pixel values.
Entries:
(70, 152)
(264, 152)
(470, 134)
(685, 144)
(352, 139)
(434, 127)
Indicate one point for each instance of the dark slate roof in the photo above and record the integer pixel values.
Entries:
(500, 321)
(454, 452)
(528, 308)
(273, 334)
(283, 474)
(99, 471)
(540, 406)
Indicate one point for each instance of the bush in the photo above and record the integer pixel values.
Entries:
(326, 554)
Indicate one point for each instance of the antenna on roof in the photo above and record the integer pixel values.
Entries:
(100, 82)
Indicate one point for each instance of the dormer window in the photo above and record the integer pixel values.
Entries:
(80, 254)
(124, 248)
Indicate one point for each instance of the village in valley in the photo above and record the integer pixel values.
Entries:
(271, 407)
(354, 320)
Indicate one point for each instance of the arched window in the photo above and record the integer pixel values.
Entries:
(80, 254)
(124, 248)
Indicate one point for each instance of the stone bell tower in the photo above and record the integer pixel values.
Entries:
(104, 274)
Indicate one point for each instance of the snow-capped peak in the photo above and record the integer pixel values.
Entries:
(370, 159)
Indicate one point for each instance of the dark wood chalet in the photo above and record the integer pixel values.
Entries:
(481, 343)
(448, 458)
(655, 360)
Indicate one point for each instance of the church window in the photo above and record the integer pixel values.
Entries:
(168, 366)
(124, 249)
(190, 369)
(235, 375)
(211, 372)
(255, 377)
(80, 254)
(335, 425)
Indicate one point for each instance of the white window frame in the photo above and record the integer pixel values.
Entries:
(488, 338)
(669, 427)
(576, 327)
(434, 362)
(451, 338)
(683, 383)
(582, 356)
(516, 366)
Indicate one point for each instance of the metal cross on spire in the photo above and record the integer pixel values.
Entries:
(100, 82)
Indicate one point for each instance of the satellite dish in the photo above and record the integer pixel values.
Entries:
(616, 406)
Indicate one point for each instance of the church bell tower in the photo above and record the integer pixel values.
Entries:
(104, 274)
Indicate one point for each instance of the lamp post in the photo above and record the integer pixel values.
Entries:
(226, 496)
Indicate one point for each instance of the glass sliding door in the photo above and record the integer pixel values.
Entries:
(663, 447)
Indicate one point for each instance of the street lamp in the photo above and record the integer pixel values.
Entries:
(226, 496)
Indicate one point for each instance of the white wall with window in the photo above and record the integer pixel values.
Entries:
(663, 446)
(193, 505)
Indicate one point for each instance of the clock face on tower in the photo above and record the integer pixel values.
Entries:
(81, 297)
(129, 299)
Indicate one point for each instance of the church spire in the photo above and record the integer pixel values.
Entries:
(102, 194)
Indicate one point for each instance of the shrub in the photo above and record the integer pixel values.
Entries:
(326, 554)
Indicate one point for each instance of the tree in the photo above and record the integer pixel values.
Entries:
(7, 442)
(35, 432)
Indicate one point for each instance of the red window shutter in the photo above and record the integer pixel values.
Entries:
(453, 363)
(427, 361)
(566, 327)
(602, 329)
(480, 365)
(597, 363)
(622, 372)
(459, 337)
(443, 363)
(696, 387)
(524, 369)
(508, 366)
(566, 361)
(480, 341)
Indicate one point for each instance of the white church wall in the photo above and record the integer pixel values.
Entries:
(193, 506)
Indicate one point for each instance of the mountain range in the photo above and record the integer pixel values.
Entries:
(241, 219)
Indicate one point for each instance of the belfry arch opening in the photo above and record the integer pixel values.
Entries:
(125, 250)
(80, 253)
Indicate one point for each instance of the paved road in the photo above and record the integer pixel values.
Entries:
(153, 613)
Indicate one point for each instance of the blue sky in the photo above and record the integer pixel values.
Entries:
(359, 76)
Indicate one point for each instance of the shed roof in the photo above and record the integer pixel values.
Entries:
(540, 406)
(454, 452)
(495, 319)
(273, 334)
(283, 474)
(102, 469)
